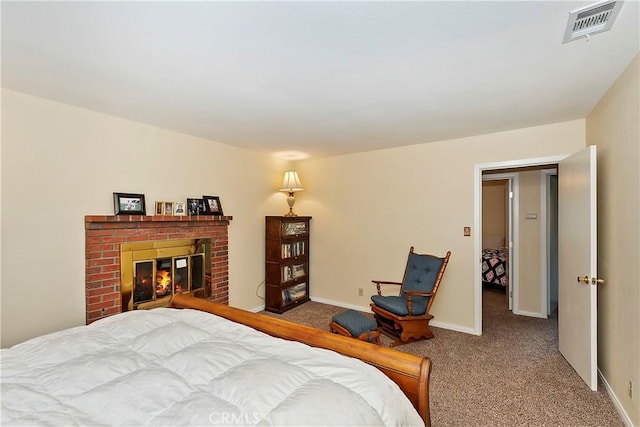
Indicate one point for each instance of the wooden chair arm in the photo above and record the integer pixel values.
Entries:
(384, 282)
(417, 293)
(410, 295)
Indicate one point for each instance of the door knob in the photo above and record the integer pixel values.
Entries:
(584, 280)
(595, 281)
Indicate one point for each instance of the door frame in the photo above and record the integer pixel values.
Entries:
(477, 221)
(513, 186)
(545, 241)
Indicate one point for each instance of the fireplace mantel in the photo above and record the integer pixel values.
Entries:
(124, 219)
(105, 233)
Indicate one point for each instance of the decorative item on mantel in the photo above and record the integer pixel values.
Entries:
(212, 205)
(195, 206)
(169, 208)
(291, 184)
(129, 204)
(179, 208)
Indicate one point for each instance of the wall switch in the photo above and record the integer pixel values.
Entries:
(467, 231)
(360, 291)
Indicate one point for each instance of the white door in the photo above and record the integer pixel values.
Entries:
(577, 259)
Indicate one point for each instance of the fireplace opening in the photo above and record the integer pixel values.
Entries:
(165, 277)
(153, 272)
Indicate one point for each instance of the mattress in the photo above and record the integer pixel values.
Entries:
(185, 367)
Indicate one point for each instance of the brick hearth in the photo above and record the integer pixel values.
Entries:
(105, 233)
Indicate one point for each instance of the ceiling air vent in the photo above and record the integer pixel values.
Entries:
(586, 21)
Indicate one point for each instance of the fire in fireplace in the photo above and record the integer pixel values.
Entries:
(152, 272)
(158, 278)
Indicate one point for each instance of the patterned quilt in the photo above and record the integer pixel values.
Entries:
(494, 266)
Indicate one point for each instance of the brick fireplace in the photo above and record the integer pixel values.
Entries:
(104, 235)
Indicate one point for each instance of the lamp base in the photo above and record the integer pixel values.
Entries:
(290, 201)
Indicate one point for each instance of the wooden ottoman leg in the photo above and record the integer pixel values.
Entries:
(375, 336)
(339, 329)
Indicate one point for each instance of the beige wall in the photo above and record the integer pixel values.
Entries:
(369, 208)
(530, 244)
(60, 163)
(494, 213)
(613, 126)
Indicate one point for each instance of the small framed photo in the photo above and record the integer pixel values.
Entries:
(195, 207)
(128, 204)
(159, 208)
(179, 208)
(212, 205)
(168, 208)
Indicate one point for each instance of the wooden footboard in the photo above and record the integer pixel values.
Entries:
(410, 372)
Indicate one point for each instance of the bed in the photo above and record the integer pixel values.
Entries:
(494, 266)
(202, 363)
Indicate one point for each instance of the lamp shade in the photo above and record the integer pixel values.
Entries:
(291, 182)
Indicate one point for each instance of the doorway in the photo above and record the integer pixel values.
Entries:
(498, 194)
(536, 292)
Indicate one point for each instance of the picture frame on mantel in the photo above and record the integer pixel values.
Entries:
(212, 205)
(129, 204)
(179, 208)
(195, 206)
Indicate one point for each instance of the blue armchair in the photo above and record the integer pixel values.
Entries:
(405, 317)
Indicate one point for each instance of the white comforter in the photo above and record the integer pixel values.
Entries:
(184, 367)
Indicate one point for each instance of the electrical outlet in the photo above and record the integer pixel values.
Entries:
(630, 389)
(360, 291)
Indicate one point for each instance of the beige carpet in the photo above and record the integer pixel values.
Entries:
(512, 375)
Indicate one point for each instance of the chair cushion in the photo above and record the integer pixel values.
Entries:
(421, 273)
(398, 304)
(355, 322)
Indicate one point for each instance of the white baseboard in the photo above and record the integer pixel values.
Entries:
(530, 314)
(365, 309)
(625, 417)
(452, 327)
(323, 301)
(257, 309)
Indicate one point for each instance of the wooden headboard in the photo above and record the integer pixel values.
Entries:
(410, 372)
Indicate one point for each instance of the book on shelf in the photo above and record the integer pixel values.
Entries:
(296, 292)
(288, 250)
(298, 271)
(295, 228)
(285, 296)
(287, 273)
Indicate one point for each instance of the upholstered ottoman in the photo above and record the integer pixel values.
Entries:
(354, 324)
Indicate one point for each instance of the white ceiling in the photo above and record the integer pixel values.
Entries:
(321, 78)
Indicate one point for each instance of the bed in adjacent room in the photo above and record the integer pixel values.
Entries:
(207, 364)
(494, 266)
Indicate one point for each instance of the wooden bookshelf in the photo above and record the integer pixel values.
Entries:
(286, 262)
